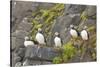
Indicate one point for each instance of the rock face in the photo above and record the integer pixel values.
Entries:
(38, 55)
(21, 27)
(62, 24)
(74, 9)
(47, 53)
(41, 53)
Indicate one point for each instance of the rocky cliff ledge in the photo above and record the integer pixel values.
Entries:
(50, 17)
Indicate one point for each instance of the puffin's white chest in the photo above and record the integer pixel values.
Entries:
(57, 41)
(27, 43)
(73, 33)
(84, 35)
(40, 38)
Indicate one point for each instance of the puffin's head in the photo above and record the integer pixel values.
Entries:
(56, 34)
(71, 26)
(26, 38)
(85, 27)
(39, 30)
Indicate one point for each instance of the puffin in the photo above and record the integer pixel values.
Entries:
(28, 42)
(84, 34)
(74, 32)
(40, 37)
(28, 50)
(57, 40)
(85, 37)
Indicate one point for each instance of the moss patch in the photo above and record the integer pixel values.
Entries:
(48, 16)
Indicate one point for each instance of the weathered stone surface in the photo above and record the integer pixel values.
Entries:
(31, 52)
(62, 26)
(73, 9)
(19, 42)
(25, 26)
(29, 62)
(16, 43)
(90, 22)
(91, 10)
(46, 62)
(21, 9)
(18, 64)
(36, 55)
(66, 8)
(21, 52)
(41, 53)
(20, 34)
(15, 59)
(46, 5)
(47, 53)
(13, 43)
(35, 62)
(44, 55)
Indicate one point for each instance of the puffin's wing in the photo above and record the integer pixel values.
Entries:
(44, 38)
(77, 32)
(61, 41)
(87, 34)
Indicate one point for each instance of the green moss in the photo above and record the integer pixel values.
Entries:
(39, 26)
(57, 60)
(92, 28)
(84, 15)
(45, 13)
(48, 16)
(94, 17)
(94, 55)
(68, 52)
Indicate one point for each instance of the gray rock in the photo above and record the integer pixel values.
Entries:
(41, 53)
(26, 26)
(13, 43)
(24, 6)
(46, 53)
(90, 22)
(21, 52)
(17, 56)
(67, 6)
(46, 5)
(46, 63)
(20, 10)
(31, 62)
(62, 26)
(31, 52)
(15, 59)
(35, 62)
(18, 64)
(19, 43)
(73, 9)
(91, 10)
(19, 34)
(16, 43)
(37, 56)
